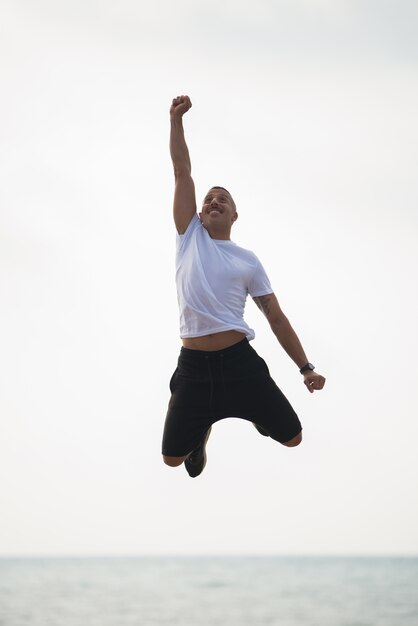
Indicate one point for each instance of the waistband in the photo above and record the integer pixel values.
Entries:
(198, 355)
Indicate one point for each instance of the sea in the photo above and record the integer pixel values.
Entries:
(209, 591)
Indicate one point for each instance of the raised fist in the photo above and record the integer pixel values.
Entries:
(180, 106)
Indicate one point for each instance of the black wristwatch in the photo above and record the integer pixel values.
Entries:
(306, 368)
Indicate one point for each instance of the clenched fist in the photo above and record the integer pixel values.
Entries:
(180, 106)
(313, 381)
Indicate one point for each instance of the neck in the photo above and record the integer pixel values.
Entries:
(219, 234)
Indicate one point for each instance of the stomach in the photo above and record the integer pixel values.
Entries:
(214, 341)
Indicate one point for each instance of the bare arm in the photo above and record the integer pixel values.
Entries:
(184, 206)
(287, 338)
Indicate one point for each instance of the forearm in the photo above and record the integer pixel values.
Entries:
(178, 148)
(289, 341)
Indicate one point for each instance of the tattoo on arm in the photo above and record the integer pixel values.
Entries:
(263, 303)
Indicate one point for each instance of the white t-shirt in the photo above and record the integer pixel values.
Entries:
(213, 280)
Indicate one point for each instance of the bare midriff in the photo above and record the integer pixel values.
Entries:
(216, 341)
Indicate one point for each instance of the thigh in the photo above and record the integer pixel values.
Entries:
(188, 417)
(260, 400)
(274, 413)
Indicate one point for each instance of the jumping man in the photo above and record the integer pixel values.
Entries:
(219, 374)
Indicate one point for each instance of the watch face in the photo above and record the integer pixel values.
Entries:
(308, 367)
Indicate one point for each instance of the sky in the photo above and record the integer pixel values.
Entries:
(306, 112)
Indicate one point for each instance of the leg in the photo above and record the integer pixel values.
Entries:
(253, 395)
(270, 411)
(174, 461)
(196, 460)
(188, 420)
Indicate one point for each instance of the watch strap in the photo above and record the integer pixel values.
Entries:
(306, 368)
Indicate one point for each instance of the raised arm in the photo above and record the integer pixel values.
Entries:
(287, 338)
(184, 206)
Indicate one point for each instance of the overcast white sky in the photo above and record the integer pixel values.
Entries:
(306, 111)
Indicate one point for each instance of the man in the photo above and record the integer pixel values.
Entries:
(218, 373)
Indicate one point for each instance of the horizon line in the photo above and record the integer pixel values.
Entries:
(341, 555)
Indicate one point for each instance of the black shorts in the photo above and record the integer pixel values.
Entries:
(209, 386)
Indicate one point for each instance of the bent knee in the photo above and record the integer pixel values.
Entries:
(292, 443)
(173, 461)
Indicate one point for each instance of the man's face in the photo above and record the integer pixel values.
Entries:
(218, 209)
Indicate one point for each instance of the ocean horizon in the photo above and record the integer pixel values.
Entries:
(236, 590)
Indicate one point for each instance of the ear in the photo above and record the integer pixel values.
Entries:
(235, 217)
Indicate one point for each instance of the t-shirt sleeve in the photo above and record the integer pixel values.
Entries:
(183, 239)
(259, 284)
